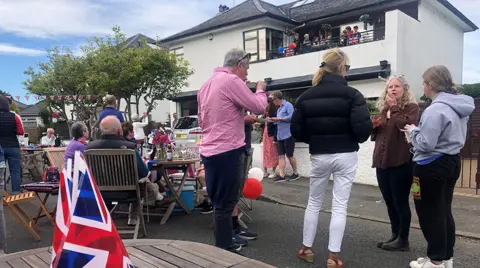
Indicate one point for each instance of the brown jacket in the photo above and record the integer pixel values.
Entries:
(391, 147)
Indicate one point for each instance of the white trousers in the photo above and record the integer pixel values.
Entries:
(343, 167)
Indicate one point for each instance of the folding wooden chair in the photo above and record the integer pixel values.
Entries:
(11, 202)
(55, 156)
(115, 170)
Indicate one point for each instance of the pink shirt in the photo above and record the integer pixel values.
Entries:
(222, 102)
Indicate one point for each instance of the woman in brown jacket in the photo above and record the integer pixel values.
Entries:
(392, 157)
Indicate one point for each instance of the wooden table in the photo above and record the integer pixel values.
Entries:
(150, 253)
(161, 167)
(29, 162)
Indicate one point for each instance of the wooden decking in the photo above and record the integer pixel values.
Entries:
(149, 253)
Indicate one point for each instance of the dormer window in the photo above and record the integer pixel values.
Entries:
(260, 42)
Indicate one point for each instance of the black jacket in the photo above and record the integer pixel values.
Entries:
(118, 142)
(331, 117)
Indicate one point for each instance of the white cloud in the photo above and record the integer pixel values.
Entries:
(11, 49)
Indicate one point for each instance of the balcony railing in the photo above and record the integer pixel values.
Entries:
(343, 41)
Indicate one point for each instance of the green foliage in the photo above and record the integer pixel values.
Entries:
(108, 65)
(372, 107)
(45, 116)
(14, 107)
(472, 90)
(425, 98)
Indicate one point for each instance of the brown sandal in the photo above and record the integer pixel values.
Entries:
(334, 262)
(305, 254)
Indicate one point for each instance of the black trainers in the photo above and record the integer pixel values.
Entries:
(279, 178)
(207, 209)
(245, 234)
(294, 177)
(238, 240)
(202, 205)
(235, 248)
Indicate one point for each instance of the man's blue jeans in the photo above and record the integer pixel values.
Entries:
(12, 156)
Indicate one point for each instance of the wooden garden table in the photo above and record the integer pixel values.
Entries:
(162, 167)
(150, 253)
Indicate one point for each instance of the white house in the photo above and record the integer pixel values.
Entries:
(402, 37)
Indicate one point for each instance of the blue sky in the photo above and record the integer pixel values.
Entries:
(28, 27)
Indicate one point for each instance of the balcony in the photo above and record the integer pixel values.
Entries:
(325, 44)
(366, 51)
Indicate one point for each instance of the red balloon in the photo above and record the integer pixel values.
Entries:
(253, 188)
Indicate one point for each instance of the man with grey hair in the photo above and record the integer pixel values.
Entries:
(222, 102)
(112, 138)
(49, 139)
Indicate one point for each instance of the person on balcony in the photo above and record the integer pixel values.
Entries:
(392, 158)
(333, 119)
(437, 142)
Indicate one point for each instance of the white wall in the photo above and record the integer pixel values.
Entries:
(432, 40)
(365, 173)
(204, 54)
(159, 114)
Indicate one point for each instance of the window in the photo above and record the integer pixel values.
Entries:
(250, 44)
(187, 123)
(261, 41)
(274, 39)
(177, 51)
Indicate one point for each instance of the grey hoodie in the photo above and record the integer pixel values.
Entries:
(443, 126)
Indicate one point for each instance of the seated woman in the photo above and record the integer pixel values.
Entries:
(80, 134)
(128, 133)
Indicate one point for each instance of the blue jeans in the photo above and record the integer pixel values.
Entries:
(12, 156)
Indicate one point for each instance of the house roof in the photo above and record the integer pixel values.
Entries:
(296, 12)
(31, 110)
(246, 11)
(137, 40)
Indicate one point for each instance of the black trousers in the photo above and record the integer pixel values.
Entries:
(395, 183)
(433, 188)
(224, 174)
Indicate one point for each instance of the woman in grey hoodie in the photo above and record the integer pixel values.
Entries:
(437, 142)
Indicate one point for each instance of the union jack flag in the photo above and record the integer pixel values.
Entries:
(85, 235)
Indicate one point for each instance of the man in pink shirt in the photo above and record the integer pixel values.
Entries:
(222, 102)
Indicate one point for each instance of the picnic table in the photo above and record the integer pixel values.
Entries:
(150, 253)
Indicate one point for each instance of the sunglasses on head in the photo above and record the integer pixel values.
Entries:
(247, 56)
(347, 67)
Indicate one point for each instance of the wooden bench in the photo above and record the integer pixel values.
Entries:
(150, 253)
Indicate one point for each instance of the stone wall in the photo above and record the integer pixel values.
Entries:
(365, 172)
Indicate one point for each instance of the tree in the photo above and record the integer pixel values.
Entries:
(63, 75)
(135, 73)
(107, 65)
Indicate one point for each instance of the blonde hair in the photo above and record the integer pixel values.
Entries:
(407, 97)
(440, 79)
(334, 62)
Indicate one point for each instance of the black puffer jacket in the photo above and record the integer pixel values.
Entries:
(331, 117)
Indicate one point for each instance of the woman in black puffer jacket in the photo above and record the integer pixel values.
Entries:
(333, 119)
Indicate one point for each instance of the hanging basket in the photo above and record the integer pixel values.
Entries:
(289, 32)
(364, 18)
(326, 27)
